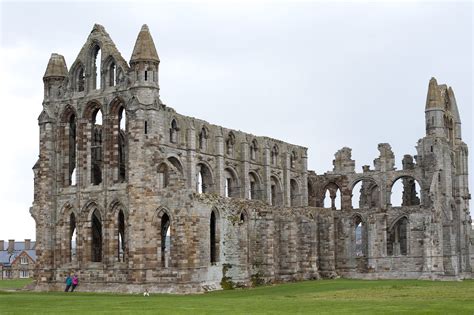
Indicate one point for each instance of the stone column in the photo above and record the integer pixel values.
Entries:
(266, 183)
(286, 180)
(191, 158)
(304, 179)
(219, 180)
(244, 178)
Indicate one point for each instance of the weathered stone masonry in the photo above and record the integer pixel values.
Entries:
(130, 194)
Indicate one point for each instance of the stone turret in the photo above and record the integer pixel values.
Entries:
(54, 76)
(145, 61)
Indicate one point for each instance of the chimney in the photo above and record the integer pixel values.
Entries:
(11, 245)
(2, 244)
(27, 243)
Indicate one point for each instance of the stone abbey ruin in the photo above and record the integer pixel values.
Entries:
(130, 195)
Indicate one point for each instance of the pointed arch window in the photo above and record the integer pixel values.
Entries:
(202, 139)
(274, 155)
(122, 145)
(229, 144)
(253, 150)
(72, 237)
(96, 237)
(213, 238)
(165, 240)
(72, 148)
(96, 148)
(203, 179)
(112, 70)
(121, 243)
(359, 237)
(174, 131)
(397, 238)
(80, 79)
(96, 67)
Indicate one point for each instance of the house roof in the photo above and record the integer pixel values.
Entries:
(18, 246)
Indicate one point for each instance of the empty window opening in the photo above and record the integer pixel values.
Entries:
(122, 145)
(162, 176)
(230, 184)
(242, 217)
(146, 75)
(405, 192)
(96, 246)
(365, 194)
(203, 179)
(332, 197)
(199, 183)
(253, 150)
(96, 148)
(397, 238)
(97, 68)
(213, 239)
(72, 237)
(165, 240)
(80, 80)
(72, 158)
(359, 237)
(229, 144)
(112, 74)
(226, 188)
(121, 237)
(202, 139)
(274, 155)
(174, 131)
(146, 127)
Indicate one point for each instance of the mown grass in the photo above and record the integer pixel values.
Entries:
(340, 296)
(11, 284)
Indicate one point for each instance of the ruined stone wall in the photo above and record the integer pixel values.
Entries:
(172, 203)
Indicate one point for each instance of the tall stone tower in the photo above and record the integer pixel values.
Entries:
(444, 158)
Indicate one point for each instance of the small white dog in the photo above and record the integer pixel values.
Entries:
(146, 293)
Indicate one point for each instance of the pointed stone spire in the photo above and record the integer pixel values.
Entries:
(144, 49)
(433, 99)
(56, 67)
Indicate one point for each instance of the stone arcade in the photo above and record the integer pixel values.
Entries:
(132, 195)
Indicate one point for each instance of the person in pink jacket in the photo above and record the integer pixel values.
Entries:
(75, 282)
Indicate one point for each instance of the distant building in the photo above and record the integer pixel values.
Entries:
(17, 259)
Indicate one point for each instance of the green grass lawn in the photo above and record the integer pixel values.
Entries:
(13, 284)
(325, 296)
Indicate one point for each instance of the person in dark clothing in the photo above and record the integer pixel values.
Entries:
(68, 283)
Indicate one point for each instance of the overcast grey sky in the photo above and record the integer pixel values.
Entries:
(319, 74)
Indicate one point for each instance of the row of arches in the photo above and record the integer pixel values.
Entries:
(97, 72)
(93, 233)
(404, 191)
(256, 189)
(92, 128)
(203, 137)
